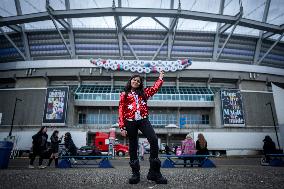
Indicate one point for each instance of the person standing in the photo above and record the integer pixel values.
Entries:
(133, 116)
(55, 141)
(39, 146)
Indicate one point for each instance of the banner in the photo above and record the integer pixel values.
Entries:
(55, 106)
(232, 107)
(142, 66)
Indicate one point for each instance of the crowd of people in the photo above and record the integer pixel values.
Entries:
(40, 147)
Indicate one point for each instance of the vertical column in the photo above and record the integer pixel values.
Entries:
(217, 119)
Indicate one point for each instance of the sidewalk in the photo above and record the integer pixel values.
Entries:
(230, 173)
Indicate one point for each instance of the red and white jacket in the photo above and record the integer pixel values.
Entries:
(128, 106)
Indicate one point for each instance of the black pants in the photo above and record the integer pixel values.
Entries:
(146, 128)
(33, 156)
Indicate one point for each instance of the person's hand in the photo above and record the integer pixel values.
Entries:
(123, 133)
(162, 73)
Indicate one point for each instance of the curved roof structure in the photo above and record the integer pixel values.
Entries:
(239, 31)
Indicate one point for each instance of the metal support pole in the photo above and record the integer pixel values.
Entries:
(11, 129)
(268, 51)
(274, 124)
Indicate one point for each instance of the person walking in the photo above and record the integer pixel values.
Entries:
(133, 116)
(39, 146)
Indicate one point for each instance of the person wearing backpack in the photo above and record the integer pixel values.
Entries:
(39, 146)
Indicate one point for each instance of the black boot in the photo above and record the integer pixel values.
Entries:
(134, 164)
(154, 173)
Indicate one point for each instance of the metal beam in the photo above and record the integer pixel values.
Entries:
(267, 34)
(23, 33)
(166, 37)
(268, 51)
(62, 22)
(119, 35)
(50, 10)
(259, 41)
(137, 18)
(224, 28)
(16, 28)
(229, 36)
(131, 49)
(217, 35)
(70, 31)
(171, 34)
(158, 21)
(13, 44)
(119, 30)
(61, 36)
(97, 12)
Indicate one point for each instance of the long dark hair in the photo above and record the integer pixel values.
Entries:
(202, 140)
(139, 91)
(55, 132)
(41, 129)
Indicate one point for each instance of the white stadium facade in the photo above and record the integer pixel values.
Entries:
(236, 48)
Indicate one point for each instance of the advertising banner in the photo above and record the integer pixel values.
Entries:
(55, 106)
(232, 107)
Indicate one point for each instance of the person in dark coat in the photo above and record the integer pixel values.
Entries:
(69, 145)
(268, 147)
(39, 147)
(55, 141)
(201, 145)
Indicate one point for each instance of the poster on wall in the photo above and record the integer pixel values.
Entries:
(232, 107)
(55, 106)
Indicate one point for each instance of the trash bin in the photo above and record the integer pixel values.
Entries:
(5, 151)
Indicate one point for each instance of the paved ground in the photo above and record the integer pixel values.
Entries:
(230, 173)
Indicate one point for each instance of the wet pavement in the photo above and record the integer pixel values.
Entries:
(233, 172)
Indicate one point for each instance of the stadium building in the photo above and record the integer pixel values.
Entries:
(236, 49)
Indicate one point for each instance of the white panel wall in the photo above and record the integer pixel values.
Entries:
(278, 95)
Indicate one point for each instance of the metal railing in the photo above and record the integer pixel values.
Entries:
(156, 97)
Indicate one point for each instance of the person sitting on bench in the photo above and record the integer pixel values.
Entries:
(188, 148)
(268, 148)
(201, 147)
(70, 146)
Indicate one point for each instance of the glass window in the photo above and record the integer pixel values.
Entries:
(82, 118)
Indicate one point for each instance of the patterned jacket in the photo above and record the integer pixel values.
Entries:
(188, 147)
(128, 106)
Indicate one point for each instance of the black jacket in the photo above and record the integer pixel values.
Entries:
(40, 142)
(200, 150)
(55, 143)
(269, 147)
(70, 146)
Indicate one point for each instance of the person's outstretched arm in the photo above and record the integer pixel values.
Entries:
(150, 91)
